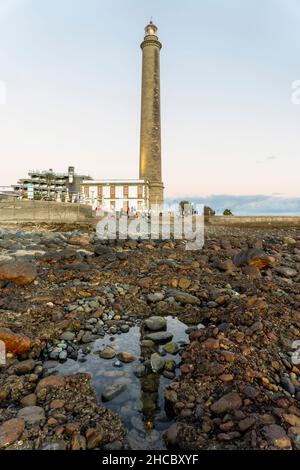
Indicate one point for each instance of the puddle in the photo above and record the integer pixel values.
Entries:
(141, 405)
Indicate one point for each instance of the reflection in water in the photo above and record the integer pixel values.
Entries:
(142, 403)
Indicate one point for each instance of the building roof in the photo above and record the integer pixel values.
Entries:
(95, 182)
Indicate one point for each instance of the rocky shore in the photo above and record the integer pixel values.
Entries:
(236, 384)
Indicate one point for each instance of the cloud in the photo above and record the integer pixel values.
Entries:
(272, 157)
(267, 159)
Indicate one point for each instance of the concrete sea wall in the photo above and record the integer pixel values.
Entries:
(18, 211)
(254, 221)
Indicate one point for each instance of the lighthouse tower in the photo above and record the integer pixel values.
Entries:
(150, 139)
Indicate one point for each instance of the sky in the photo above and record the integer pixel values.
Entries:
(72, 74)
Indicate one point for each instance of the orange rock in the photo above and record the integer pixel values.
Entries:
(184, 283)
(15, 343)
(293, 420)
(10, 431)
(20, 272)
(51, 381)
(56, 404)
(226, 377)
(211, 344)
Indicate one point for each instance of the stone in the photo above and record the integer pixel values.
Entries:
(24, 367)
(276, 436)
(288, 385)
(107, 353)
(229, 402)
(32, 415)
(168, 374)
(14, 342)
(29, 400)
(126, 357)
(78, 442)
(286, 271)
(170, 365)
(11, 431)
(147, 343)
(289, 241)
(102, 250)
(94, 437)
(156, 323)
(112, 391)
(184, 283)
(291, 419)
(156, 297)
(19, 272)
(124, 328)
(63, 355)
(172, 435)
(52, 381)
(171, 348)
(252, 257)
(183, 297)
(157, 362)
(68, 336)
(140, 371)
(246, 423)
(211, 344)
(56, 404)
(160, 336)
(250, 392)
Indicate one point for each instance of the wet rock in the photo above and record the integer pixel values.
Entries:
(140, 371)
(172, 436)
(107, 353)
(19, 272)
(157, 362)
(171, 348)
(15, 343)
(160, 336)
(32, 415)
(229, 402)
(126, 357)
(124, 328)
(112, 391)
(170, 365)
(147, 343)
(68, 336)
(168, 374)
(156, 323)
(11, 431)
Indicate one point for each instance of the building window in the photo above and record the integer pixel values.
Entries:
(119, 192)
(132, 191)
(106, 192)
(112, 192)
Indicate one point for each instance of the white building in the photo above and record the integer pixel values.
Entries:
(116, 195)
